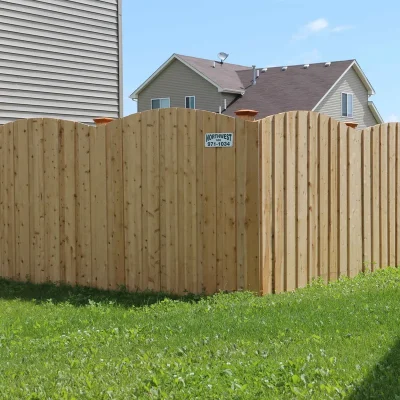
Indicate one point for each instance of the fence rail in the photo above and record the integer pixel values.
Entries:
(141, 202)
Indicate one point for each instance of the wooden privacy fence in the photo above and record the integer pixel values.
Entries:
(330, 199)
(141, 202)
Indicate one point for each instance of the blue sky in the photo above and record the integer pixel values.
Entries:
(267, 33)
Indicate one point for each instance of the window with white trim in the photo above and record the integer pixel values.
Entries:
(160, 103)
(190, 102)
(347, 105)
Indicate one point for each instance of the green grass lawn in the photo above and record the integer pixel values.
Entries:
(322, 342)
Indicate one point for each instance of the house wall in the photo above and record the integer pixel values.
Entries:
(332, 104)
(178, 81)
(60, 59)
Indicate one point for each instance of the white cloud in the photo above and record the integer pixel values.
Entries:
(317, 25)
(393, 118)
(311, 28)
(342, 28)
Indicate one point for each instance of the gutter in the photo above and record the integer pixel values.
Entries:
(233, 91)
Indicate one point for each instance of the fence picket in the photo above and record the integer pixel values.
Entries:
(355, 203)
(252, 208)
(384, 237)
(83, 219)
(151, 199)
(210, 207)
(291, 206)
(190, 200)
(115, 200)
(266, 206)
(200, 287)
(132, 156)
(376, 256)
(396, 132)
(392, 194)
(226, 211)
(21, 145)
(302, 199)
(170, 188)
(52, 203)
(98, 194)
(343, 198)
(36, 178)
(333, 201)
(68, 199)
(313, 187)
(323, 197)
(367, 199)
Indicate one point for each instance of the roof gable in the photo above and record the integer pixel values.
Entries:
(361, 76)
(296, 88)
(224, 76)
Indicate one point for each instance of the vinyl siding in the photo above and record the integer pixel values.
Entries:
(332, 104)
(60, 59)
(178, 81)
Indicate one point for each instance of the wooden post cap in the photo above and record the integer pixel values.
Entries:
(352, 124)
(246, 114)
(102, 120)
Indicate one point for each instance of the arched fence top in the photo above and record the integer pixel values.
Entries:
(316, 116)
(154, 114)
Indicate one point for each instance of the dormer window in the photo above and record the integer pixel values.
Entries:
(347, 105)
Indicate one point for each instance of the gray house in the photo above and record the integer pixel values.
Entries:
(60, 59)
(339, 89)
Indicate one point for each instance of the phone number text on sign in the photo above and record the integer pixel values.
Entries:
(219, 139)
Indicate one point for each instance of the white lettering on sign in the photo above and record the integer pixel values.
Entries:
(219, 139)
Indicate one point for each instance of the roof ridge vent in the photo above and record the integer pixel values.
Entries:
(306, 66)
(284, 68)
(328, 64)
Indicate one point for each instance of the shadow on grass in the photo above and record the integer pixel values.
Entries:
(80, 296)
(383, 382)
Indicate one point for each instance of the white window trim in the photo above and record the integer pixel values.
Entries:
(186, 97)
(159, 98)
(341, 105)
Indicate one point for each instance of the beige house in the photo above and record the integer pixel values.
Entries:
(339, 89)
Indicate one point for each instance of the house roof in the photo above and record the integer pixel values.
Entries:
(296, 88)
(224, 76)
(276, 91)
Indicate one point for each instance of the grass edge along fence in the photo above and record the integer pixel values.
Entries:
(142, 202)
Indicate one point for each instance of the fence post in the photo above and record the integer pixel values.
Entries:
(352, 124)
(102, 120)
(247, 115)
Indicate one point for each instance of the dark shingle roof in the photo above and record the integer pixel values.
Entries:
(279, 91)
(225, 75)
